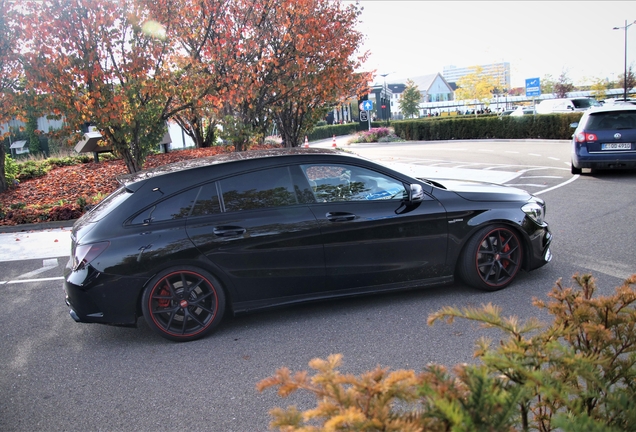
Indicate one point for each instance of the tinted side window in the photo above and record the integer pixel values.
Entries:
(259, 189)
(208, 201)
(176, 207)
(350, 183)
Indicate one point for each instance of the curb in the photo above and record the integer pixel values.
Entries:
(36, 226)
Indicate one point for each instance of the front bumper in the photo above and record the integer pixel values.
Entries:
(541, 254)
(96, 297)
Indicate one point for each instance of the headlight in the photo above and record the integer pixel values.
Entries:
(535, 210)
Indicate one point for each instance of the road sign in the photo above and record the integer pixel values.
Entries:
(367, 105)
(533, 87)
(364, 116)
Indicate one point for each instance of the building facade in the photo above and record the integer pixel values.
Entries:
(499, 71)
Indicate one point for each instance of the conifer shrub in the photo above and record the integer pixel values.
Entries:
(11, 170)
(576, 373)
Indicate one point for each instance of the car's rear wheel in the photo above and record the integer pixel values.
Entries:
(492, 258)
(183, 304)
(575, 170)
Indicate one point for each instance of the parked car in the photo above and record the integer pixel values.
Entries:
(522, 110)
(605, 138)
(621, 101)
(184, 243)
(565, 105)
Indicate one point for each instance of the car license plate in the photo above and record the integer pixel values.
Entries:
(616, 146)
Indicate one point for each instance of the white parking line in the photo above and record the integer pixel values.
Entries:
(557, 186)
(31, 280)
(47, 264)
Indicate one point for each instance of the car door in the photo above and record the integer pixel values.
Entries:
(257, 230)
(371, 237)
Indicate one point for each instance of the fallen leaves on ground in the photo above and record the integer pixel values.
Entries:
(59, 194)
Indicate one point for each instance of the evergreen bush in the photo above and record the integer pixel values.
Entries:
(575, 374)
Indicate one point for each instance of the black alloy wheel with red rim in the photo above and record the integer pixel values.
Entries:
(492, 258)
(183, 304)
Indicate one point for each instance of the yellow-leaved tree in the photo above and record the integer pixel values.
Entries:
(476, 86)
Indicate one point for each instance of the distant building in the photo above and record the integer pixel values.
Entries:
(382, 97)
(433, 88)
(396, 94)
(499, 71)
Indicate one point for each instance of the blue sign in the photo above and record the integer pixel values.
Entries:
(533, 87)
(367, 105)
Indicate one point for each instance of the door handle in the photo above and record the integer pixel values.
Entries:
(228, 231)
(340, 216)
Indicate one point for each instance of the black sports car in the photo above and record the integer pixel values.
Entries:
(243, 231)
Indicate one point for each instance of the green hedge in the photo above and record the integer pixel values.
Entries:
(545, 126)
(322, 132)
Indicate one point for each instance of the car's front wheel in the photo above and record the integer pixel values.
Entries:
(183, 304)
(492, 258)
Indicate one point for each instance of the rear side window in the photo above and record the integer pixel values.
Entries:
(107, 205)
(259, 189)
(612, 120)
(176, 207)
(208, 201)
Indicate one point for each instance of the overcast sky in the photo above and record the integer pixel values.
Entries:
(412, 38)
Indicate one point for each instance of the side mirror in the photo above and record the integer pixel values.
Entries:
(416, 193)
(574, 125)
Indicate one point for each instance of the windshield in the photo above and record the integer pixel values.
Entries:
(612, 120)
(585, 103)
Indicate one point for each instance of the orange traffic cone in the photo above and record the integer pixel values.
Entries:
(306, 142)
(333, 144)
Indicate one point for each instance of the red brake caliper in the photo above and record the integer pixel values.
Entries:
(164, 292)
(506, 263)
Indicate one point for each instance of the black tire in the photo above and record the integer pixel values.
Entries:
(492, 258)
(183, 303)
(575, 170)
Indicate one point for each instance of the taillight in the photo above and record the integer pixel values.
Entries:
(585, 137)
(85, 253)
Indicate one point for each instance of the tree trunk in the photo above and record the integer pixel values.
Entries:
(290, 123)
(193, 127)
(131, 162)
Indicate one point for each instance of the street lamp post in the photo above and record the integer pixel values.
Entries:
(384, 116)
(625, 70)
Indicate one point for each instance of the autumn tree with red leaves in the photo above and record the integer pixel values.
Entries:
(267, 62)
(201, 33)
(106, 63)
(10, 73)
(129, 66)
(297, 58)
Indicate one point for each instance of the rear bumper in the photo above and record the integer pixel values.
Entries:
(581, 158)
(95, 297)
